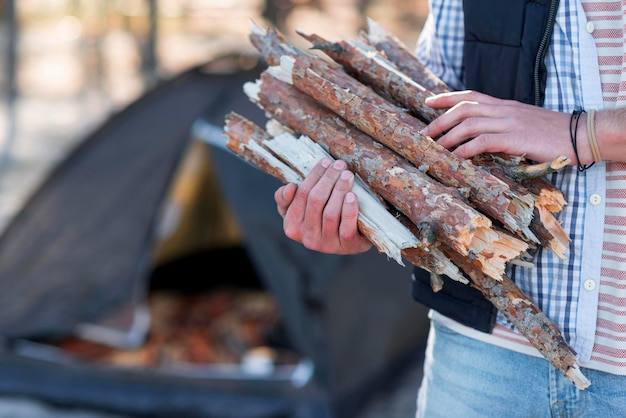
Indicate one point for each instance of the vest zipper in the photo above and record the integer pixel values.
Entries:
(543, 45)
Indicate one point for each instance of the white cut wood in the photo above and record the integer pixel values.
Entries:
(390, 236)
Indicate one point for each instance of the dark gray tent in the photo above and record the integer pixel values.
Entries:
(79, 256)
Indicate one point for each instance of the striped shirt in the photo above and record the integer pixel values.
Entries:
(585, 294)
(606, 24)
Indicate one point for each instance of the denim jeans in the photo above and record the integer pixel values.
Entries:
(466, 378)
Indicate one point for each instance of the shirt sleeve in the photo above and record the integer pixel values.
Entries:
(440, 44)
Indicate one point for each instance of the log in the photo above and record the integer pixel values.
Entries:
(530, 321)
(370, 67)
(389, 124)
(412, 192)
(530, 175)
(547, 200)
(398, 53)
(373, 69)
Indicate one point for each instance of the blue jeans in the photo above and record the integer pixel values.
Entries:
(466, 378)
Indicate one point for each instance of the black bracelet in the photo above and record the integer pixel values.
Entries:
(573, 130)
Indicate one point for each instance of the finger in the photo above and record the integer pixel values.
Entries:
(334, 207)
(491, 143)
(471, 129)
(350, 238)
(447, 100)
(472, 115)
(283, 196)
(297, 208)
(318, 199)
(451, 118)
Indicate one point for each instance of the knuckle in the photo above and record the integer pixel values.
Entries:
(292, 233)
(482, 143)
(471, 125)
(317, 201)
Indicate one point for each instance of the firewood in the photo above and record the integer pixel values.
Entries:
(398, 53)
(529, 320)
(247, 140)
(395, 179)
(546, 194)
(405, 60)
(511, 169)
(506, 296)
(373, 69)
(403, 133)
(337, 115)
(520, 170)
(547, 199)
(359, 104)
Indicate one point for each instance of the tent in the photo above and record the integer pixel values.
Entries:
(78, 258)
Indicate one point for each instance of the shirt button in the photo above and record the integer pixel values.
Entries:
(595, 199)
(590, 27)
(589, 284)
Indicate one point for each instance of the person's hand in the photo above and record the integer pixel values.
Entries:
(477, 123)
(321, 213)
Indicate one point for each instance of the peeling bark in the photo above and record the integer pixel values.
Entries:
(397, 52)
(373, 69)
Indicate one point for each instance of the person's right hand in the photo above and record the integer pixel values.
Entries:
(321, 213)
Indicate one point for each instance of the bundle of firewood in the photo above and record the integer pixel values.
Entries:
(362, 101)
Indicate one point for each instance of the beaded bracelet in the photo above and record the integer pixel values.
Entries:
(573, 131)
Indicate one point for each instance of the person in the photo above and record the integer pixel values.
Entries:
(540, 79)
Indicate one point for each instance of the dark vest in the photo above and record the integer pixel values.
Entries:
(504, 50)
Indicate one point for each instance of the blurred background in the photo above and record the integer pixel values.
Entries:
(68, 64)
(78, 75)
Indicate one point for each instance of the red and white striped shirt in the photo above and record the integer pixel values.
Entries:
(606, 23)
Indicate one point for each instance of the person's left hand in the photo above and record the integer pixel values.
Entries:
(476, 123)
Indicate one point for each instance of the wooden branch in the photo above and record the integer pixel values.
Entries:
(397, 52)
(544, 225)
(505, 295)
(517, 168)
(546, 194)
(529, 320)
(373, 69)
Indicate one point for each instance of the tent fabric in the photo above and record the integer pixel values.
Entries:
(79, 251)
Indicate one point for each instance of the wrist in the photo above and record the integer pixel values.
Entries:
(610, 127)
(582, 138)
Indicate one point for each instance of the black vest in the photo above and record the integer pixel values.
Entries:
(504, 50)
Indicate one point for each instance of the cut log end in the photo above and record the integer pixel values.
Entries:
(577, 377)
(494, 250)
